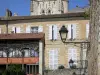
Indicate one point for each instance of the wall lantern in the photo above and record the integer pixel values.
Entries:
(63, 33)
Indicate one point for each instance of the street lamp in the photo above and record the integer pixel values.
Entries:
(63, 33)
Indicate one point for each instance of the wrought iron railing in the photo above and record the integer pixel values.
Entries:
(76, 65)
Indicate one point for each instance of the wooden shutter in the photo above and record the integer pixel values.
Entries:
(0, 30)
(18, 29)
(40, 29)
(74, 31)
(87, 30)
(28, 29)
(50, 32)
(69, 31)
(55, 32)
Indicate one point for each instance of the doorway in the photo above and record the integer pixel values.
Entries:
(32, 69)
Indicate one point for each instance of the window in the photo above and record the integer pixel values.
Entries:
(71, 31)
(43, 12)
(30, 53)
(15, 53)
(49, 12)
(34, 29)
(3, 54)
(15, 30)
(72, 54)
(53, 34)
(53, 59)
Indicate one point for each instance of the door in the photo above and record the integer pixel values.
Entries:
(32, 69)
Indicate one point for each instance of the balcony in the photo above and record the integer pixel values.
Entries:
(19, 51)
(22, 36)
(28, 60)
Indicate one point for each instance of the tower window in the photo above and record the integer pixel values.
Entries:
(49, 12)
(43, 12)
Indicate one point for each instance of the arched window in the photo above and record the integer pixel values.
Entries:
(15, 53)
(43, 12)
(49, 11)
(3, 54)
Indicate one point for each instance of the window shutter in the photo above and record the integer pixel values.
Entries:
(87, 30)
(40, 29)
(0, 30)
(74, 31)
(69, 31)
(55, 32)
(50, 32)
(18, 29)
(84, 54)
(28, 29)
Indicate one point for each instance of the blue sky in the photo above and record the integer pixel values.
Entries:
(22, 7)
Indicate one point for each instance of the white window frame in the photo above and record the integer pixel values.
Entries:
(53, 59)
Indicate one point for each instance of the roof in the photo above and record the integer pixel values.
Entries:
(22, 36)
(67, 15)
(79, 9)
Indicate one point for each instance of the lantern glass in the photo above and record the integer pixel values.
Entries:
(63, 36)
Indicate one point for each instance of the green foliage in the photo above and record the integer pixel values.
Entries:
(14, 68)
(87, 13)
(61, 67)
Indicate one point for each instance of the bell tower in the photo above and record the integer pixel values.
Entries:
(48, 7)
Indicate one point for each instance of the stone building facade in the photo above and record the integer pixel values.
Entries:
(55, 52)
(48, 7)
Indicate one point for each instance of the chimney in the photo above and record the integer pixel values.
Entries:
(8, 13)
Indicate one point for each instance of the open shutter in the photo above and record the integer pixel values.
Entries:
(18, 29)
(69, 31)
(50, 32)
(28, 29)
(55, 32)
(87, 30)
(74, 31)
(0, 30)
(40, 29)
(55, 58)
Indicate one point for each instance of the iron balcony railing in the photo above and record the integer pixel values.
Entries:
(78, 64)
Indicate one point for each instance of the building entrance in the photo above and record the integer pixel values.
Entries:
(32, 69)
